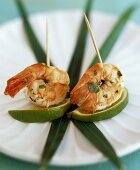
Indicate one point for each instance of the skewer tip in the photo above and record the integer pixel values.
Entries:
(47, 46)
(92, 37)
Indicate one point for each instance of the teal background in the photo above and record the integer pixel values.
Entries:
(8, 11)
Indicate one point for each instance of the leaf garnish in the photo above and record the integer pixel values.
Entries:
(96, 137)
(113, 35)
(77, 58)
(56, 134)
(33, 41)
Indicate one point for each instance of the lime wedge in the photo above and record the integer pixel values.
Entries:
(103, 114)
(41, 115)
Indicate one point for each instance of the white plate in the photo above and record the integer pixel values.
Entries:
(26, 141)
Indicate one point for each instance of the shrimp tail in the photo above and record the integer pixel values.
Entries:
(24, 78)
(16, 83)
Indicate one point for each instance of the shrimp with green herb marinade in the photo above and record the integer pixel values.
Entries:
(45, 85)
(100, 87)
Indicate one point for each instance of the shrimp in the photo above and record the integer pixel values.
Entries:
(45, 85)
(100, 87)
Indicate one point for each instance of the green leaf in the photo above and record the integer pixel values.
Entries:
(33, 41)
(114, 35)
(96, 137)
(94, 88)
(77, 58)
(56, 134)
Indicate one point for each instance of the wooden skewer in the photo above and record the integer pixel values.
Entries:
(93, 39)
(47, 47)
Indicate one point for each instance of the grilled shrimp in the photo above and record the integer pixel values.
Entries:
(45, 85)
(100, 87)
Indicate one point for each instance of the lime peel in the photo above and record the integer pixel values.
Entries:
(103, 114)
(41, 115)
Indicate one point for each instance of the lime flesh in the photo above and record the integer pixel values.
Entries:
(41, 115)
(110, 112)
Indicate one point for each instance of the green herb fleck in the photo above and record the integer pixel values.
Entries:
(94, 88)
(105, 96)
(119, 73)
(95, 72)
(42, 86)
(26, 79)
(31, 99)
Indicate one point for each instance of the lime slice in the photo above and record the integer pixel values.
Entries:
(103, 114)
(41, 115)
